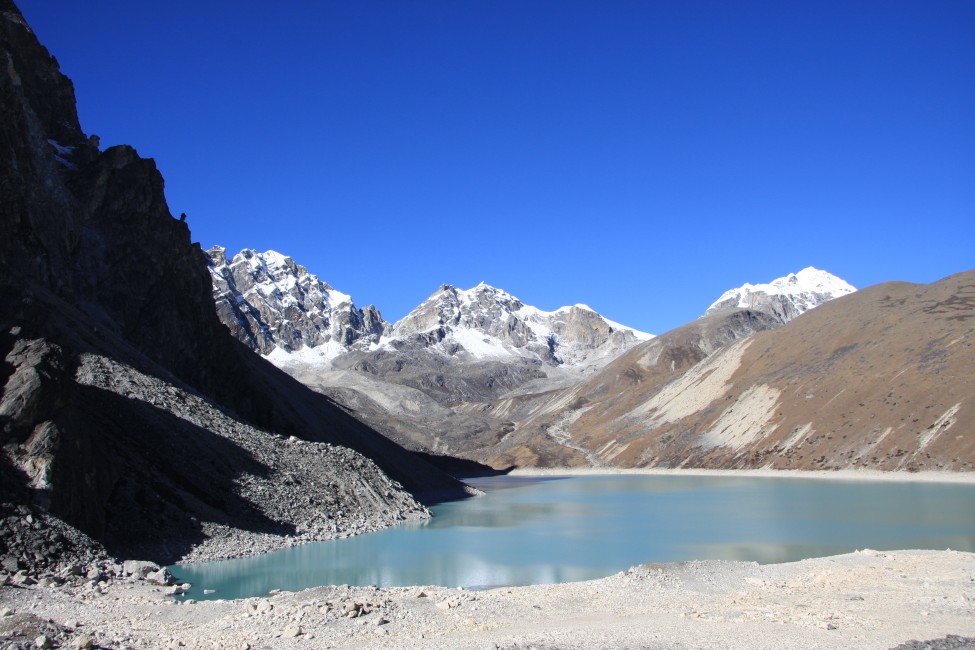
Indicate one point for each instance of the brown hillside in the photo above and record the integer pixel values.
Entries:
(881, 378)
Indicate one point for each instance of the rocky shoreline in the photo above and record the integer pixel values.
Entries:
(829, 475)
(867, 599)
(59, 584)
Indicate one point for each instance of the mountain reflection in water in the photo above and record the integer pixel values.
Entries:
(538, 531)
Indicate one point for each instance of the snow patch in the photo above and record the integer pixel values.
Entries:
(60, 152)
(480, 345)
(808, 288)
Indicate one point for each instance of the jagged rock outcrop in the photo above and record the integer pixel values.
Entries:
(95, 270)
(785, 298)
(289, 315)
(270, 303)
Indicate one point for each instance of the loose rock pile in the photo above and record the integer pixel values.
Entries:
(950, 642)
(37, 547)
(283, 491)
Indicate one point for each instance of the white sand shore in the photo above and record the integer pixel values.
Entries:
(868, 600)
(833, 475)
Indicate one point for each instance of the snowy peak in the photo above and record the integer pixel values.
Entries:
(785, 297)
(280, 309)
(289, 315)
(486, 322)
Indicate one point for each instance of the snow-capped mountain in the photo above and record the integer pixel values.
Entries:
(489, 323)
(289, 315)
(281, 310)
(785, 298)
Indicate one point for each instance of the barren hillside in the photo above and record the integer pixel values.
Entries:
(881, 378)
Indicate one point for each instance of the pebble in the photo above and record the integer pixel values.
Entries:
(292, 631)
(83, 642)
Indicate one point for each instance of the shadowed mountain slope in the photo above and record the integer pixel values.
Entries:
(96, 273)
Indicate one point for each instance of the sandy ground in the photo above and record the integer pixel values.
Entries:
(866, 599)
(832, 475)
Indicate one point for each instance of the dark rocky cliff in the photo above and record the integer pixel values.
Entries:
(94, 266)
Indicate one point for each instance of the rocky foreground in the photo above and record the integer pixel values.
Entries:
(866, 599)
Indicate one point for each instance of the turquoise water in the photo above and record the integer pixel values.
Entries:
(533, 531)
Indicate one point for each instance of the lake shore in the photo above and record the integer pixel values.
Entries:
(867, 599)
(833, 475)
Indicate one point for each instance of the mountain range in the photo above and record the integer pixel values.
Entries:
(167, 401)
(290, 316)
(477, 373)
(767, 377)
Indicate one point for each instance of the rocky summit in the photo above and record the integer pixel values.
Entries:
(278, 308)
(787, 297)
(489, 323)
(127, 410)
(416, 380)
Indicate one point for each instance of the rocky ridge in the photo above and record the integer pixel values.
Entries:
(279, 309)
(489, 323)
(274, 305)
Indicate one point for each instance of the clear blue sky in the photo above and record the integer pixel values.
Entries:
(637, 156)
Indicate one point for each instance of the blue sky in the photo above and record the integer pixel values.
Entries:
(639, 157)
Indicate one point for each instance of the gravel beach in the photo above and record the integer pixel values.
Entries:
(866, 599)
(831, 475)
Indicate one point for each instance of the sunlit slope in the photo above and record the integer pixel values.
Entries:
(881, 378)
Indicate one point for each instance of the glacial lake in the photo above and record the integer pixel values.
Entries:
(549, 530)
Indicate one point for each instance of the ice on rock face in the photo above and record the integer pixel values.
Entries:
(290, 316)
(486, 322)
(286, 313)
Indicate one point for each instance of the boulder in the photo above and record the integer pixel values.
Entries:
(140, 568)
(161, 577)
